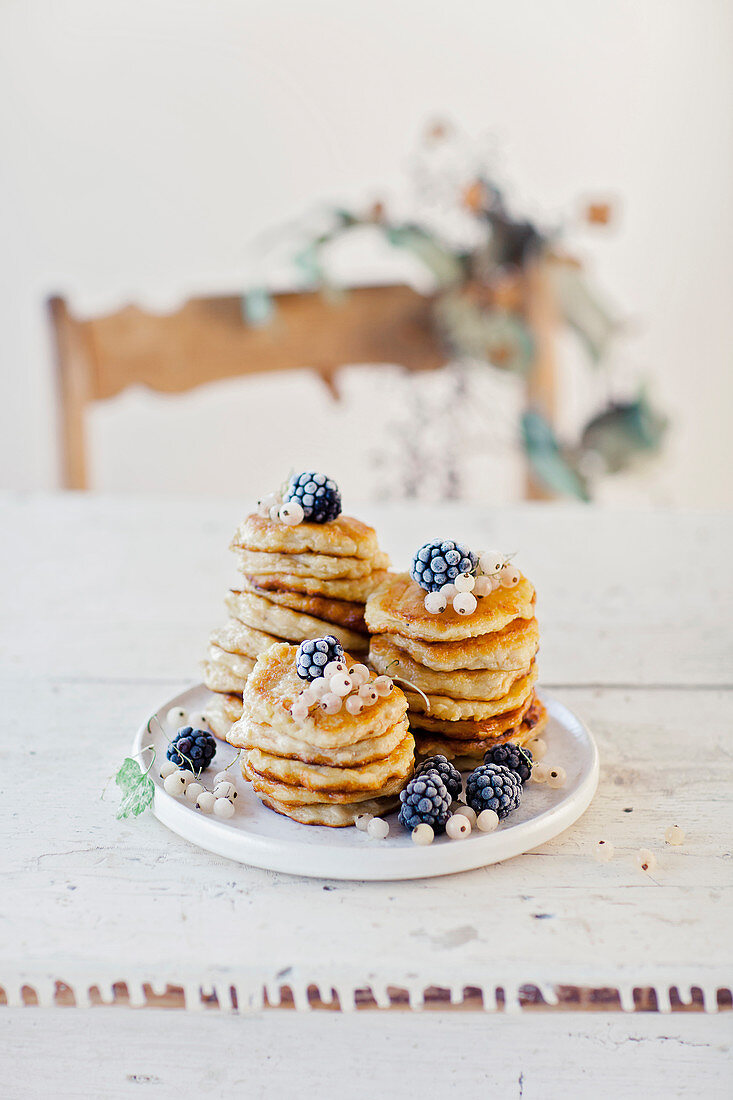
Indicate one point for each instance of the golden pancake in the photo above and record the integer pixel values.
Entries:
(358, 589)
(469, 752)
(274, 685)
(262, 736)
(464, 754)
(222, 712)
(398, 607)
(470, 729)
(341, 537)
(300, 796)
(236, 637)
(226, 672)
(255, 562)
(442, 706)
(513, 647)
(292, 626)
(321, 777)
(333, 815)
(385, 657)
(337, 612)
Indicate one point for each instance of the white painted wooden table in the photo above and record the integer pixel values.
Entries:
(105, 607)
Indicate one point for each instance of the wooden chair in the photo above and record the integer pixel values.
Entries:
(207, 339)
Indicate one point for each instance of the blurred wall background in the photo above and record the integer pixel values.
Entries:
(143, 144)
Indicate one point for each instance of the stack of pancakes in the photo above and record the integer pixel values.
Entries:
(328, 768)
(476, 672)
(298, 582)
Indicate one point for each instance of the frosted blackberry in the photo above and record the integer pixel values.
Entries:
(313, 656)
(512, 756)
(447, 772)
(318, 496)
(493, 787)
(425, 801)
(192, 750)
(439, 562)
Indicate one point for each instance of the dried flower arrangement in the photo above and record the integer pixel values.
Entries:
(502, 289)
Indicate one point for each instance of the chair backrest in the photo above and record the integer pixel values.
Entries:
(208, 339)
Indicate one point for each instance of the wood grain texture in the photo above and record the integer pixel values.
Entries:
(76, 386)
(543, 318)
(80, 879)
(107, 605)
(113, 1053)
(208, 339)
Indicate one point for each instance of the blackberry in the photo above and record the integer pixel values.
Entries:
(313, 656)
(425, 800)
(447, 772)
(317, 494)
(192, 750)
(439, 562)
(493, 787)
(512, 756)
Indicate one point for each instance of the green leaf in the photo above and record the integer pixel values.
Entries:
(624, 431)
(490, 334)
(446, 268)
(137, 799)
(129, 774)
(552, 467)
(137, 789)
(583, 309)
(258, 308)
(308, 261)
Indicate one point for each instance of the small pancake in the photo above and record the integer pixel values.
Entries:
(222, 712)
(236, 637)
(300, 796)
(503, 650)
(291, 626)
(469, 752)
(442, 706)
(321, 777)
(385, 657)
(398, 607)
(273, 687)
(338, 612)
(465, 754)
(359, 589)
(323, 566)
(470, 729)
(262, 736)
(341, 537)
(333, 815)
(226, 672)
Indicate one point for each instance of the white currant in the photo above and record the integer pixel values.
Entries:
(487, 821)
(458, 826)
(205, 802)
(423, 834)
(223, 807)
(377, 828)
(175, 783)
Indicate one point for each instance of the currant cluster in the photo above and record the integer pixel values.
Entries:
(339, 685)
(189, 755)
(453, 574)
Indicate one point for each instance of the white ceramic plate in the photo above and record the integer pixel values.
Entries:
(262, 838)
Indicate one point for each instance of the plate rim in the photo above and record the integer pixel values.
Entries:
(377, 862)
